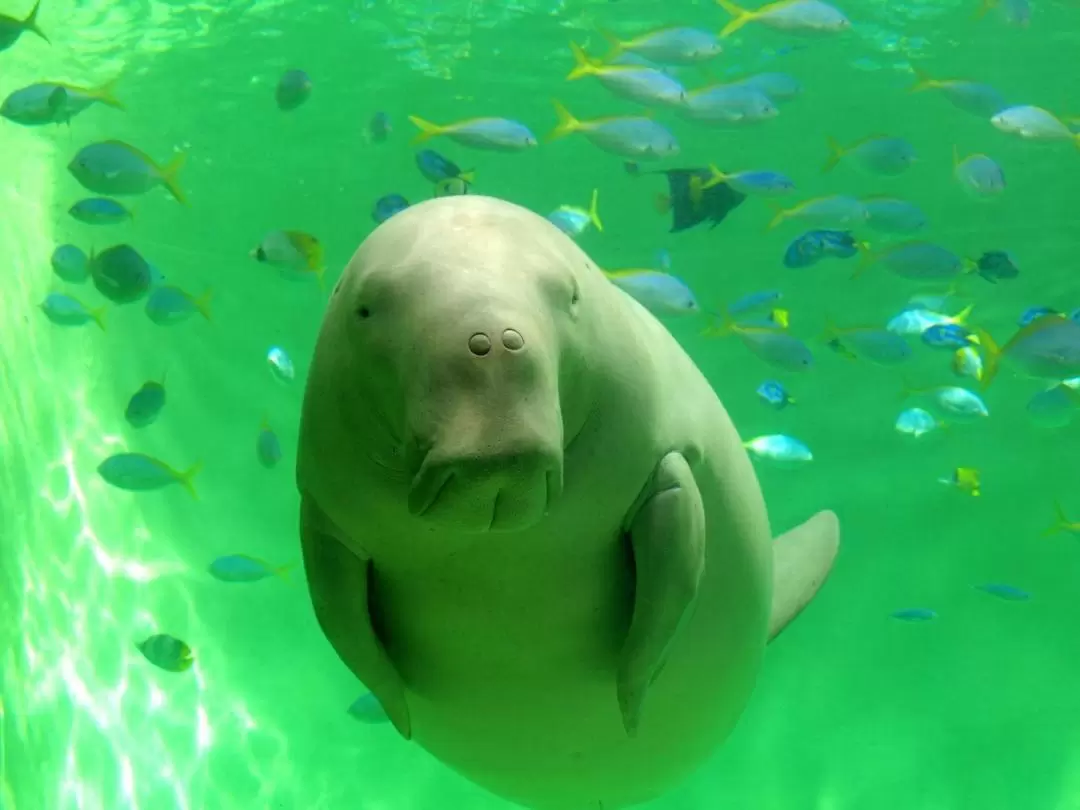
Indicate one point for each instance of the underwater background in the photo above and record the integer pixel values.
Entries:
(973, 705)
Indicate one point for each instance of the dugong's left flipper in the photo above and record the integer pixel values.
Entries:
(802, 559)
(667, 536)
(338, 582)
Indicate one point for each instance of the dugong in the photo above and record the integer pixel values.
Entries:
(528, 524)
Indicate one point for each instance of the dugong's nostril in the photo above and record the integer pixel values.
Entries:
(479, 344)
(513, 340)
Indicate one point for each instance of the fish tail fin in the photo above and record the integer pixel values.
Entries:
(962, 316)
(31, 24)
(98, 316)
(662, 202)
(955, 155)
(1061, 520)
(427, 129)
(991, 356)
(594, 213)
(985, 7)
(566, 125)
(866, 258)
(740, 17)
(836, 154)
(829, 331)
(468, 177)
(717, 178)
(583, 65)
(282, 571)
(722, 323)
(615, 43)
(779, 215)
(168, 176)
(202, 303)
(185, 479)
(106, 94)
(1076, 140)
(907, 389)
(923, 81)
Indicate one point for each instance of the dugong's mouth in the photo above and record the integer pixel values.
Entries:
(510, 492)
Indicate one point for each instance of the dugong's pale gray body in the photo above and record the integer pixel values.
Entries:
(528, 524)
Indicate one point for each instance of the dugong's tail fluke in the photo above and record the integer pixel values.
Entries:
(802, 560)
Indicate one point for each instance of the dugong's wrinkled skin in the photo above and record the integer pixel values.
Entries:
(528, 524)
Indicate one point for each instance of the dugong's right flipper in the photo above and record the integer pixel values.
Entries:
(802, 559)
(667, 536)
(338, 584)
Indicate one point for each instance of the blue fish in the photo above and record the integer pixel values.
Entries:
(893, 215)
(660, 293)
(146, 404)
(1034, 313)
(379, 127)
(367, 709)
(813, 246)
(117, 169)
(100, 211)
(71, 264)
(267, 446)
(63, 310)
(950, 336)
(437, 168)
(121, 274)
(754, 300)
(387, 206)
(773, 393)
(997, 265)
(914, 615)
(1006, 592)
(169, 305)
(136, 472)
(242, 568)
(294, 88)
(11, 29)
(167, 652)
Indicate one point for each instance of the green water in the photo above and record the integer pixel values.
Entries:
(854, 709)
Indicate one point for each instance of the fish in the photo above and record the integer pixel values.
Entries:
(281, 365)
(773, 345)
(879, 346)
(773, 393)
(813, 246)
(267, 446)
(63, 310)
(1034, 313)
(137, 472)
(967, 362)
(1009, 593)
(243, 568)
(574, 221)
(978, 175)
(976, 98)
(168, 305)
(46, 103)
(660, 293)
(295, 254)
(634, 137)
(1047, 348)
(949, 336)
(1034, 124)
(100, 211)
(293, 89)
(1062, 522)
(1013, 12)
(728, 105)
(388, 205)
(914, 320)
(917, 261)
(451, 187)
(11, 29)
(493, 134)
(1054, 407)
(691, 203)
(146, 404)
(752, 181)
(996, 265)
(437, 168)
(966, 479)
(367, 709)
(877, 154)
(780, 450)
(71, 264)
(893, 215)
(916, 423)
(669, 46)
(644, 85)
(754, 300)
(953, 401)
(838, 211)
(122, 274)
(167, 652)
(379, 127)
(117, 169)
(778, 87)
(914, 615)
(806, 17)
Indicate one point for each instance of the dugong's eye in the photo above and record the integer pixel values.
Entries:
(363, 313)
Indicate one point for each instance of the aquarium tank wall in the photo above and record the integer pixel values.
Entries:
(159, 647)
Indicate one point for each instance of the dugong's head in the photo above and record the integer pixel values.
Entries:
(460, 328)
